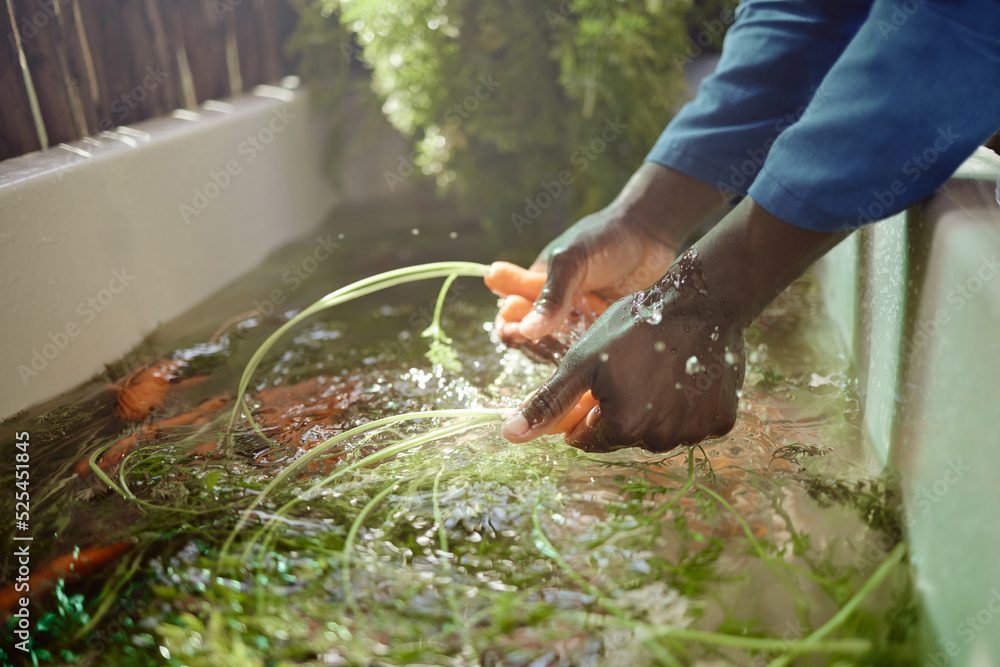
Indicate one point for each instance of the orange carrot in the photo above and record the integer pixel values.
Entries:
(214, 403)
(596, 303)
(115, 453)
(192, 417)
(71, 566)
(522, 287)
(118, 451)
(203, 449)
(583, 406)
(515, 307)
(145, 390)
(506, 279)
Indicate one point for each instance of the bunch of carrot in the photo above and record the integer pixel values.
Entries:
(148, 388)
(123, 447)
(519, 288)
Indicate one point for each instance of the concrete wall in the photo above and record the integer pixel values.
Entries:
(103, 239)
(917, 298)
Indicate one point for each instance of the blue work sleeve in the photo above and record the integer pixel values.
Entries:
(773, 60)
(911, 95)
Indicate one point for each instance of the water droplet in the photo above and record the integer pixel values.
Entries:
(677, 386)
(659, 346)
(687, 327)
(415, 231)
(673, 350)
(453, 235)
(604, 356)
(650, 314)
(693, 366)
(731, 358)
(715, 335)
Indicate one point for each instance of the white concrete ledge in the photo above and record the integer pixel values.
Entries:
(919, 306)
(103, 239)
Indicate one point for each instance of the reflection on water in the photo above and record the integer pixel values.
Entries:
(465, 550)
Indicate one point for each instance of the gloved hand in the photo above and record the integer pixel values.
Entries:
(663, 366)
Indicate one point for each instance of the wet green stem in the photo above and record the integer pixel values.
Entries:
(344, 294)
(883, 571)
(345, 568)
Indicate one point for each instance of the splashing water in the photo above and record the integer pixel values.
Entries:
(467, 550)
(693, 366)
(684, 279)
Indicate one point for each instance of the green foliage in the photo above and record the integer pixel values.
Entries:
(431, 540)
(503, 97)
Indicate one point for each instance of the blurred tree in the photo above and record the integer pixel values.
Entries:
(527, 110)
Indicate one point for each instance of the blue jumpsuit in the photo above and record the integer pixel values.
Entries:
(832, 114)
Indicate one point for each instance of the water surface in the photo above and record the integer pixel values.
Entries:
(465, 550)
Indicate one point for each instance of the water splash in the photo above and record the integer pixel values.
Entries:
(649, 313)
(684, 279)
(692, 365)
